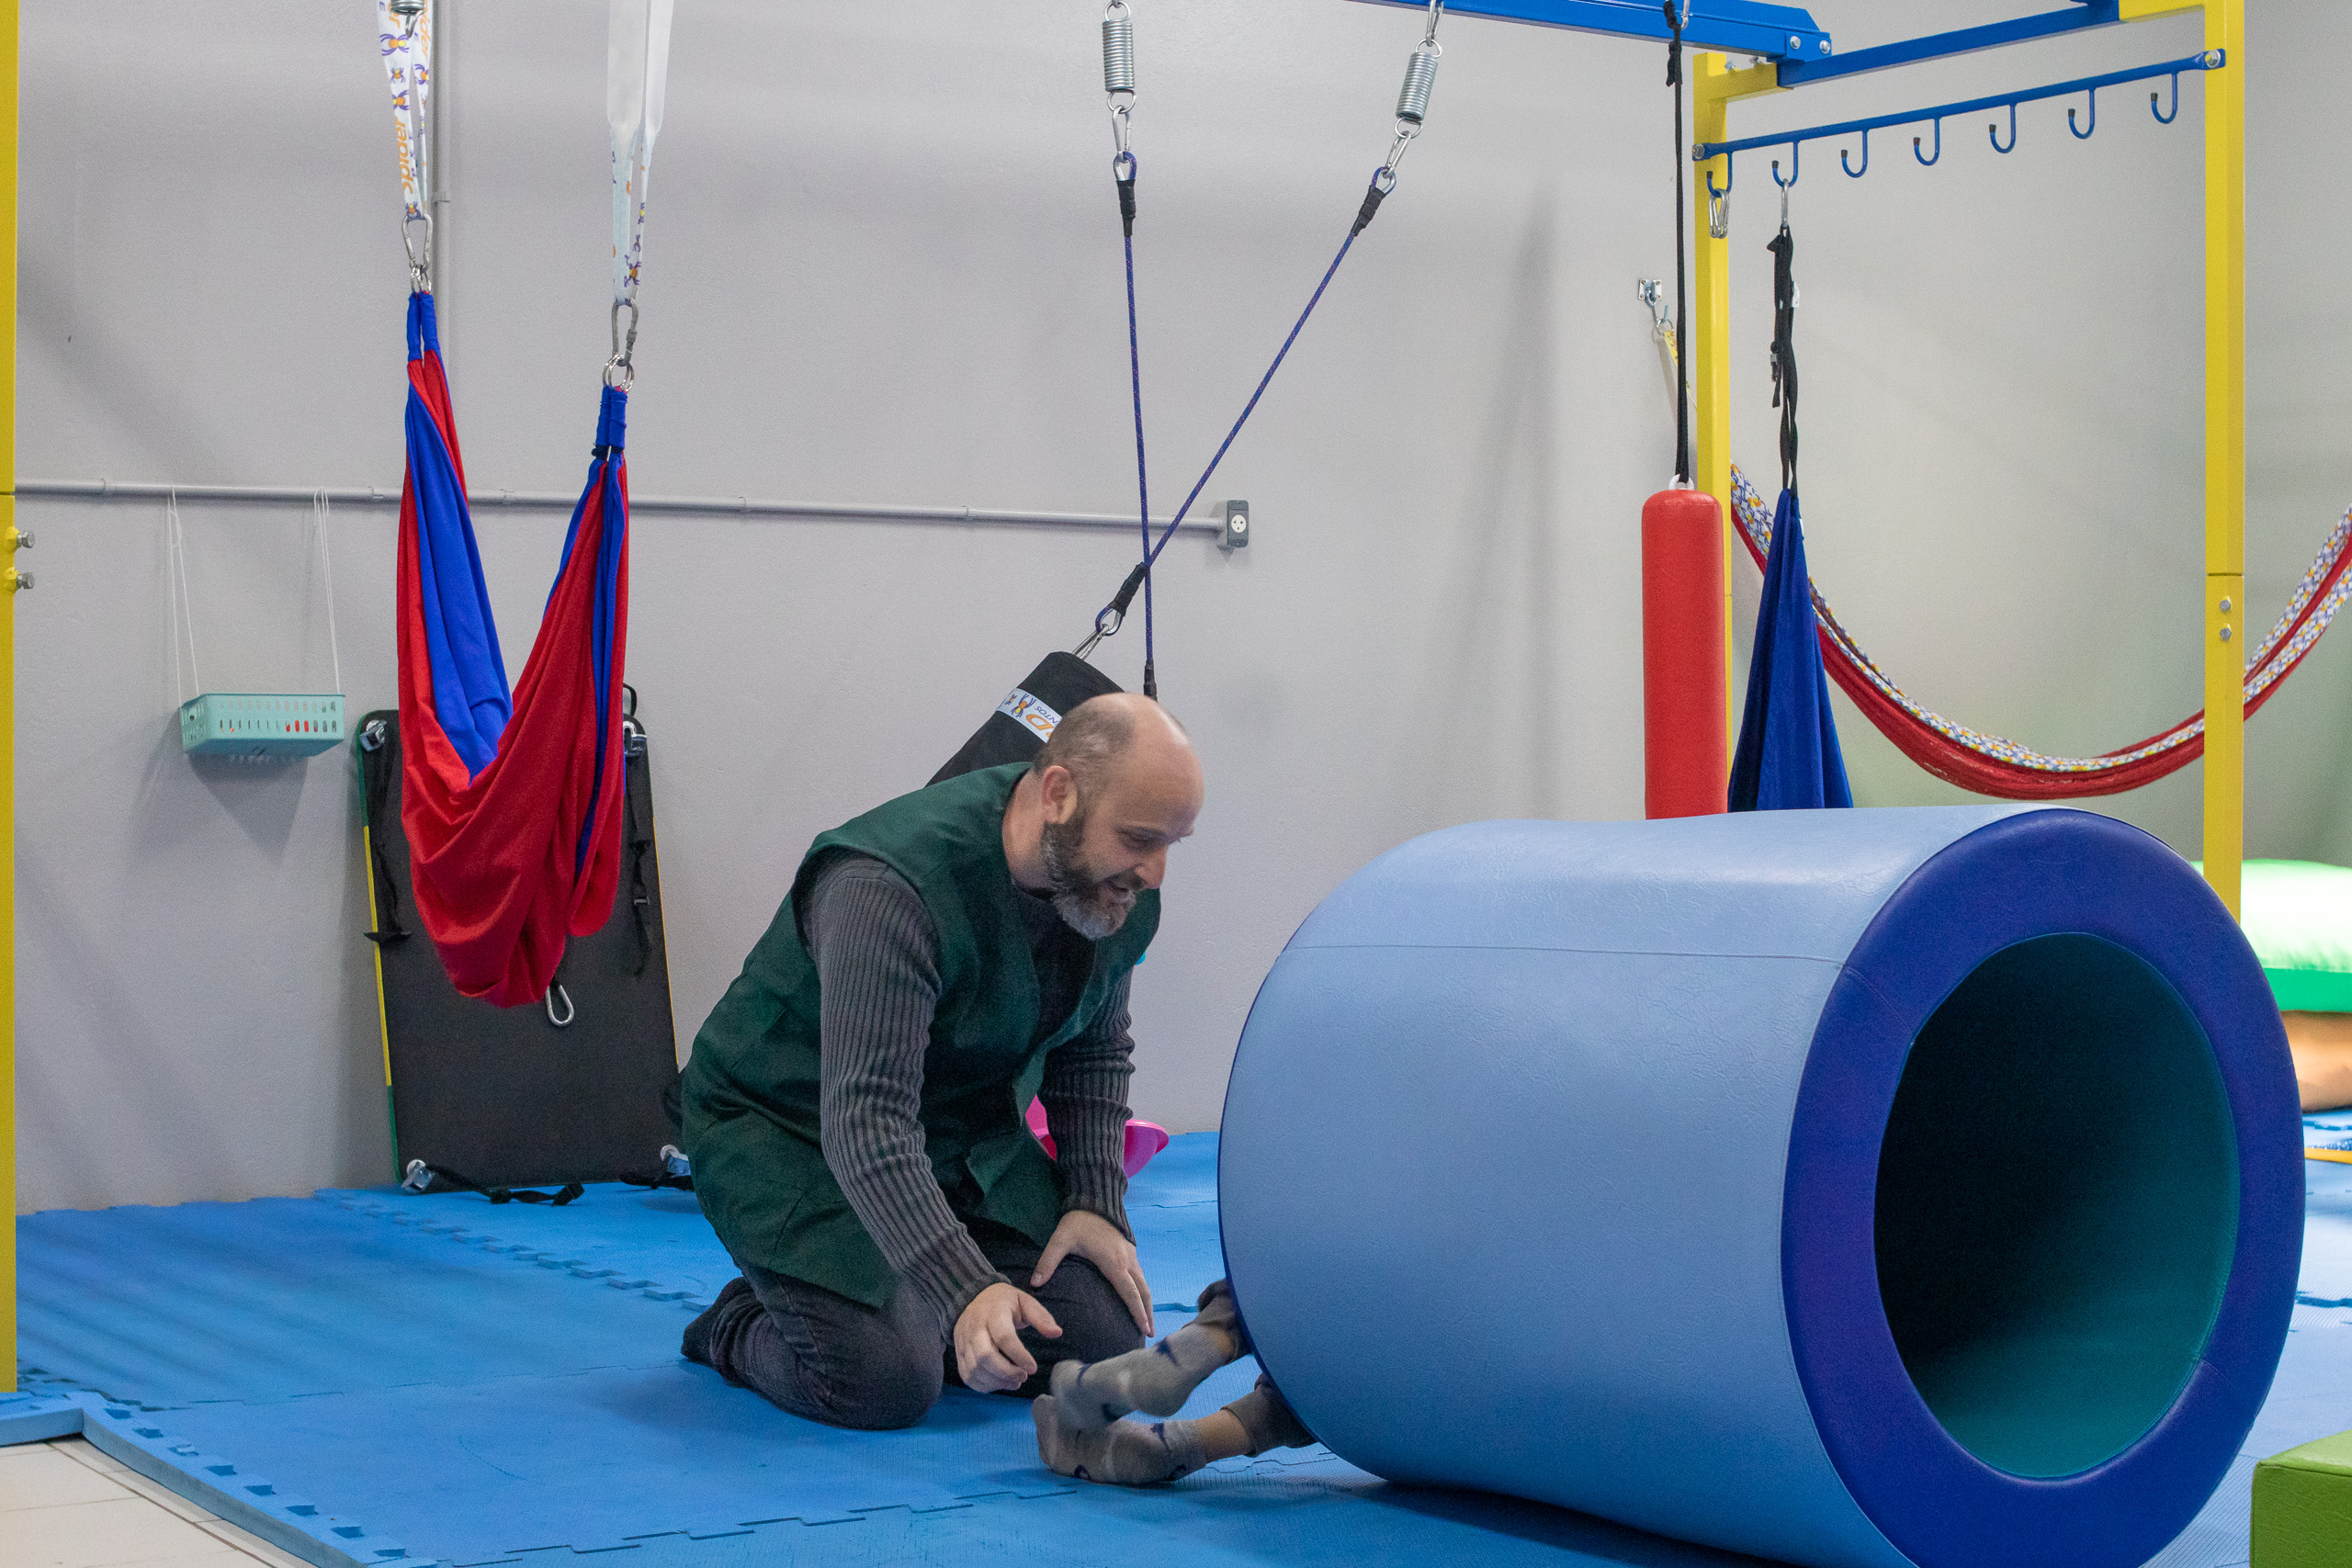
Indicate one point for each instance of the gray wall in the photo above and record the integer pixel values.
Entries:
(883, 267)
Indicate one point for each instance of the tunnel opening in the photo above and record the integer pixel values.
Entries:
(2057, 1205)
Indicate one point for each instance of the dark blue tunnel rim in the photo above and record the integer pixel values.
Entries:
(2037, 874)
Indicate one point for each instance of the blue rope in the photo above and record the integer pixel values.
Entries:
(1143, 481)
(1169, 532)
(1373, 198)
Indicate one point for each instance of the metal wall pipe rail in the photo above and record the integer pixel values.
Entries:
(557, 501)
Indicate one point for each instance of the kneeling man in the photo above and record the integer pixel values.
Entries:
(853, 1105)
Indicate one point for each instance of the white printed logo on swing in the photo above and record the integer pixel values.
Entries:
(1023, 708)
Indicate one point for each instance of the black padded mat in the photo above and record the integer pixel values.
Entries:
(504, 1096)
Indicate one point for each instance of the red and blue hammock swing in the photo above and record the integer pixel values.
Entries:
(511, 800)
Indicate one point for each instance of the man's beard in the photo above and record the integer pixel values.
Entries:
(1091, 906)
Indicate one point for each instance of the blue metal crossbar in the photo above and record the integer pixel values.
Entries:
(1736, 27)
(2212, 59)
(2086, 14)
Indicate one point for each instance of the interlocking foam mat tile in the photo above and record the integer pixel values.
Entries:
(376, 1377)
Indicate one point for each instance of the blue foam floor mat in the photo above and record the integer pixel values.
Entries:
(375, 1377)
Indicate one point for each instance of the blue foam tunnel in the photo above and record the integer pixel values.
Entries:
(1859, 1188)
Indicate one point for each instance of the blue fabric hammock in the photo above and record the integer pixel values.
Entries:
(1787, 757)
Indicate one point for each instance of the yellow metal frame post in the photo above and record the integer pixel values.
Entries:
(10, 582)
(1713, 86)
(2225, 620)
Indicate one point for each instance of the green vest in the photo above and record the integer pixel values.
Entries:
(750, 1087)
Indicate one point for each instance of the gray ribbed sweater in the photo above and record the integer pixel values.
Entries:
(877, 965)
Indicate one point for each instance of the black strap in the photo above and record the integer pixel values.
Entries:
(1784, 352)
(1682, 253)
(640, 840)
(569, 1191)
(389, 928)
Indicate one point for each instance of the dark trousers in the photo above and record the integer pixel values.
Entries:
(828, 1358)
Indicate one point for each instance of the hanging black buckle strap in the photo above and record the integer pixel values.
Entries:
(1784, 350)
(639, 839)
(375, 737)
(422, 1174)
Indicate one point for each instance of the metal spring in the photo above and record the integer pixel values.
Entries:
(1421, 75)
(1119, 53)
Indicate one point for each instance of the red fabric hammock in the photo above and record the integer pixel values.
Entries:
(1990, 765)
(511, 805)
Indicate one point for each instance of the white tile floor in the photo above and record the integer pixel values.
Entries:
(65, 1505)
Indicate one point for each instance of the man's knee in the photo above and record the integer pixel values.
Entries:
(894, 1388)
(828, 1358)
(1094, 1321)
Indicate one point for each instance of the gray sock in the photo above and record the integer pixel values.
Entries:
(1120, 1453)
(1156, 1380)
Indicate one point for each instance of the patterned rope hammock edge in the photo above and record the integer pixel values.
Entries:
(1991, 765)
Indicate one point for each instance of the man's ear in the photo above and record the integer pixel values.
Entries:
(1058, 790)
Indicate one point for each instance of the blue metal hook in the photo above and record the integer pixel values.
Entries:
(1939, 147)
(1795, 148)
(1851, 172)
(2092, 124)
(2162, 117)
(1730, 175)
(1994, 132)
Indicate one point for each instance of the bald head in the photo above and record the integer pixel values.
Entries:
(1104, 734)
(1116, 785)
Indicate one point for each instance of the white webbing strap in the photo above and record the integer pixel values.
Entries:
(637, 76)
(407, 44)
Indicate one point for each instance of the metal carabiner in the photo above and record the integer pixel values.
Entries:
(620, 371)
(1718, 201)
(410, 11)
(420, 261)
(1437, 14)
(1107, 622)
(1406, 134)
(1795, 159)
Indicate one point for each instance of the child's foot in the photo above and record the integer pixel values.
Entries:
(1119, 1453)
(1156, 1380)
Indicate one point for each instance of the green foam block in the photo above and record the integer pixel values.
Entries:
(2302, 1506)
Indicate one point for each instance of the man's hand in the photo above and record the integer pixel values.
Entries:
(989, 1356)
(1084, 1234)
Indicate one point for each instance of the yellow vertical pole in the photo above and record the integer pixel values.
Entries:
(2224, 618)
(1713, 89)
(1711, 339)
(10, 582)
